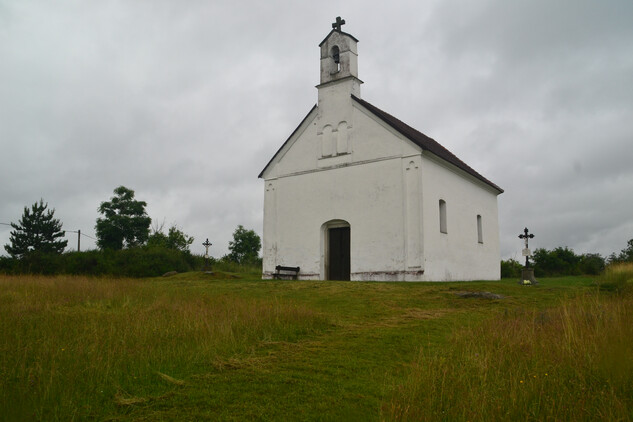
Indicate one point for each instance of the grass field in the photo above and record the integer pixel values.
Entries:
(201, 347)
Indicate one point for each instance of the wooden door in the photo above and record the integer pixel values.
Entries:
(339, 253)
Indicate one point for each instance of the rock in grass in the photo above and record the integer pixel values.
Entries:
(482, 295)
(128, 401)
(169, 379)
(170, 273)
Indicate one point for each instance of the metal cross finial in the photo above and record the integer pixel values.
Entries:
(339, 22)
(526, 236)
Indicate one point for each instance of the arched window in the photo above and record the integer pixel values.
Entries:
(443, 225)
(341, 138)
(327, 142)
(336, 56)
(480, 236)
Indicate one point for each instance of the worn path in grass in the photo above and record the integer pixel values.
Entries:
(343, 373)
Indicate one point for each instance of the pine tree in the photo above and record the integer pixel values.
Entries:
(37, 231)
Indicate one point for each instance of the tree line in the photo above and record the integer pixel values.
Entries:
(126, 244)
(563, 261)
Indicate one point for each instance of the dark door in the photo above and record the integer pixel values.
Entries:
(339, 267)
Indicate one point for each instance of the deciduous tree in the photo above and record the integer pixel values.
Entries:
(245, 246)
(626, 254)
(125, 222)
(174, 239)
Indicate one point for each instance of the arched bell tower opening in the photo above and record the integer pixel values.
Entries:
(336, 250)
(335, 53)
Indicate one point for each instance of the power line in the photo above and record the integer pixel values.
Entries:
(79, 232)
(65, 231)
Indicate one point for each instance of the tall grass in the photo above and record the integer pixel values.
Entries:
(617, 277)
(249, 269)
(72, 346)
(572, 362)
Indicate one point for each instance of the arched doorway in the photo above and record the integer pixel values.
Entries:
(337, 255)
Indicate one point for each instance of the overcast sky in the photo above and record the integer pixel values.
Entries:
(185, 103)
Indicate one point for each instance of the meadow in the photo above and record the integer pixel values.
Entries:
(228, 346)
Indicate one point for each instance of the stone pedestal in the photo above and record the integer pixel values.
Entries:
(527, 277)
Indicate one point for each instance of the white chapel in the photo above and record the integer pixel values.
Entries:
(356, 194)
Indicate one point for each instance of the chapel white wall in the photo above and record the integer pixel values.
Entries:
(372, 191)
(457, 254)
(368, 197)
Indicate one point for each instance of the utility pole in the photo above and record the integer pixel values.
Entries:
(79, 240)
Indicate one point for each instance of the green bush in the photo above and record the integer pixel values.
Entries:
(89, 262)
(132, 262)
(510, 268)
(7, 265)
(563, 261)
(150, 262)
(591, 264)
(37, 263)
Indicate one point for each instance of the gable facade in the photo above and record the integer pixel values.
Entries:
(356, 194)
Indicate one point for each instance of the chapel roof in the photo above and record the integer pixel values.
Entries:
(340, 32)
(287, 140)
(423, 141)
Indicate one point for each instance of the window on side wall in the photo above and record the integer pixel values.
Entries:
(443, 225)
(480, 236)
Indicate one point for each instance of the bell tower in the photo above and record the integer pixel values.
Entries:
(339, 62)
(339, 81)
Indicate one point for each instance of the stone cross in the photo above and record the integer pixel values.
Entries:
(526, 236)
(339, 22)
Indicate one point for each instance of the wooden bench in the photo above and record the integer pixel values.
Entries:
(279, 268)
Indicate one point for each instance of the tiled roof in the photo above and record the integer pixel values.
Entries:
(423, 141)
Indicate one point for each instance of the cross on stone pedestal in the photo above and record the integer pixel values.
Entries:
(206, 244)
(526, 236)
(339, 22)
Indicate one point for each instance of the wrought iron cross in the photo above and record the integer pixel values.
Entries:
(339, 22)
(526, 236)
(206, 244)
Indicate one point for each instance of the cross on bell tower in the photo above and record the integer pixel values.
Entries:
(339, 22)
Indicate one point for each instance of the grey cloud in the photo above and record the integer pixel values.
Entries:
(185, 104)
